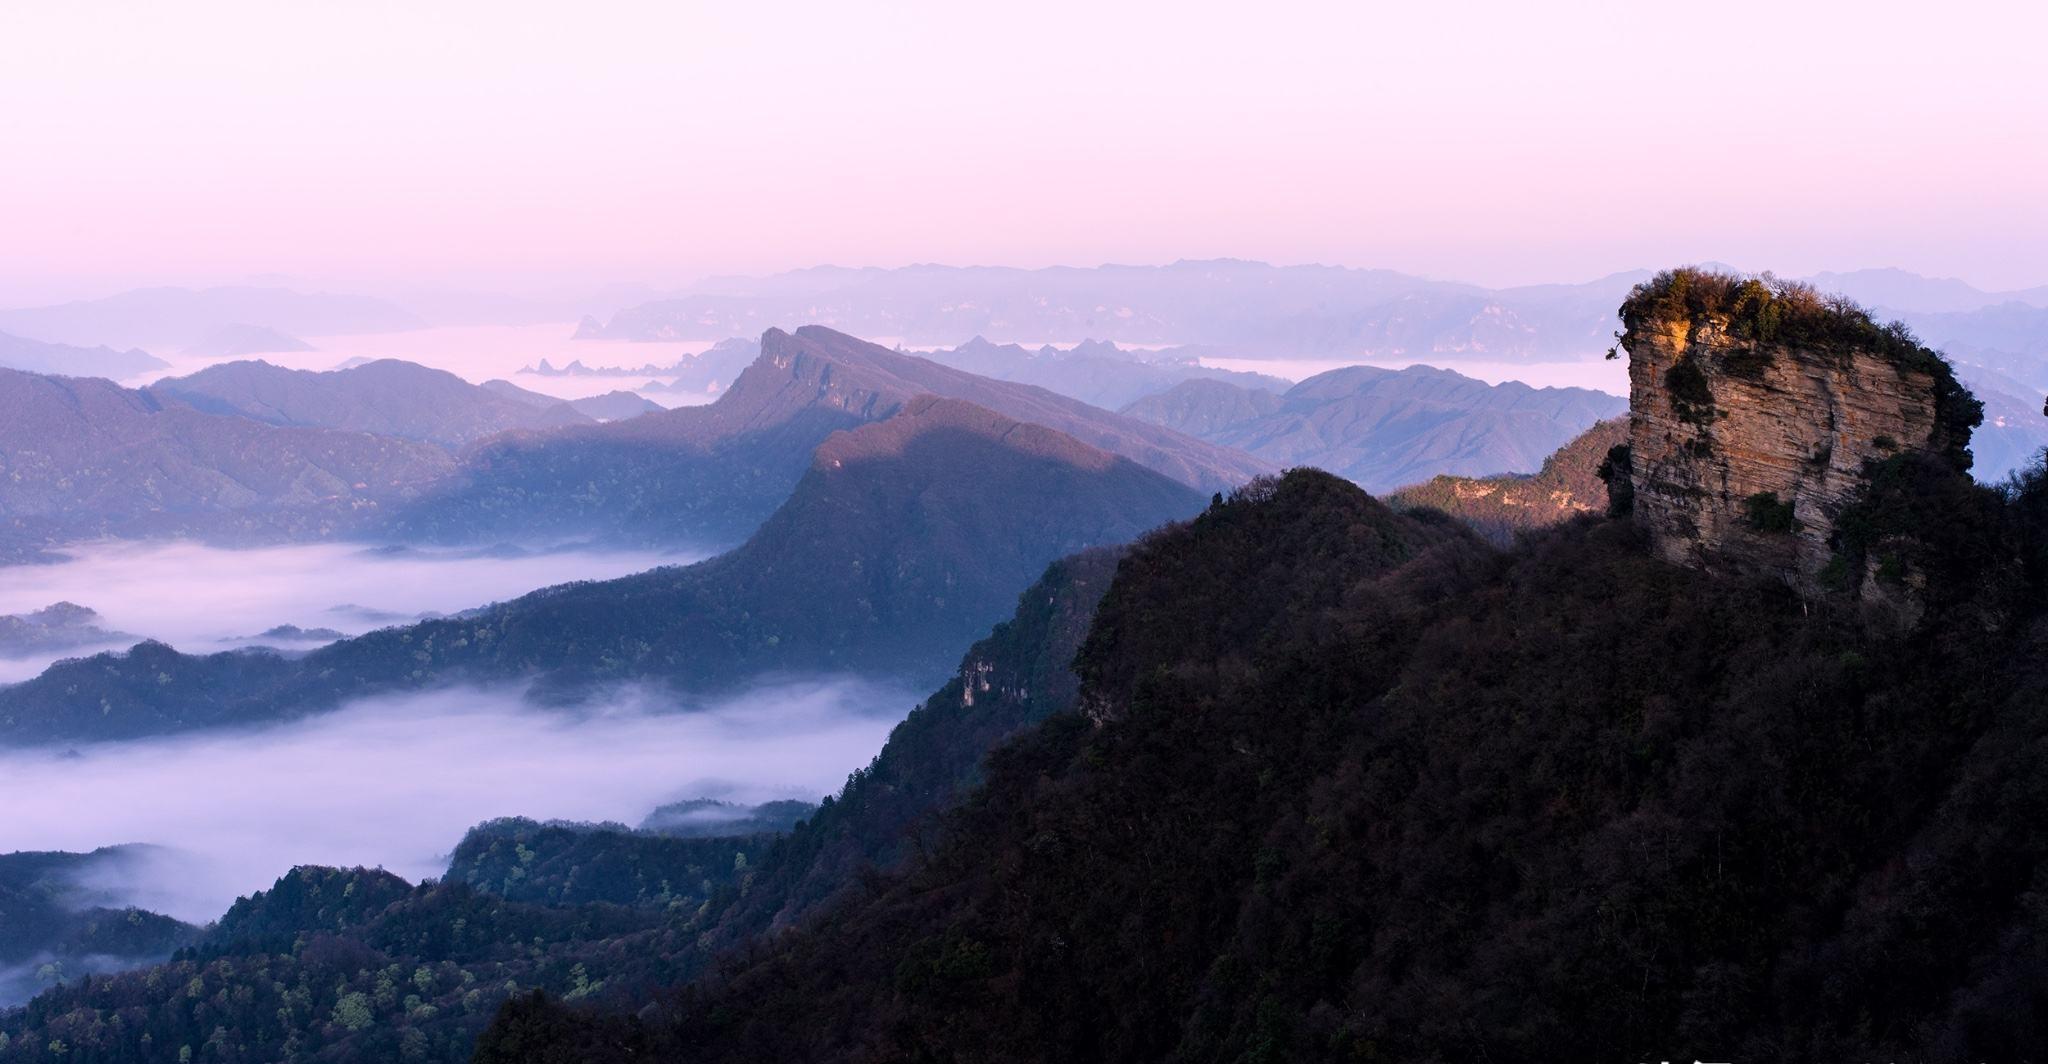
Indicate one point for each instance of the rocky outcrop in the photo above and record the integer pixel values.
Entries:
(1758, 409)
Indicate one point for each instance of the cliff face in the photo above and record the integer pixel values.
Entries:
(1754, 410)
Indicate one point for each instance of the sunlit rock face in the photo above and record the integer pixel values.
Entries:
(1755, 411)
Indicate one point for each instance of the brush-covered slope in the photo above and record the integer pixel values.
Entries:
(1384, 428)
(1336, 794)
(904, 540)
(711, 474)
(1569, 484)
(388, 397)
(81, 457)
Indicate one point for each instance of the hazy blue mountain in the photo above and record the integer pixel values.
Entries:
(903, 540)
(182, 317)
(2015, 427)
(1385, 428)
(56, 627)
(241, 341)
(2009, 337)
(64, 360)
(611, 406)
(615, 406)
(1095, 372)
(706, 372)
(1895, 291)
(388, 397)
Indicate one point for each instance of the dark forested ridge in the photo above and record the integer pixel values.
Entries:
(904, 540)
(1338, 792)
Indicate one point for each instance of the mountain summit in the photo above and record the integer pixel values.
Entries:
(1760, 412)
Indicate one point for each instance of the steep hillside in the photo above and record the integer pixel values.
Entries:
(711, 474)
(1569, 484)
(387, 397)
(904, 540)
(1329, 797)
(86, 457)
(1385, 428)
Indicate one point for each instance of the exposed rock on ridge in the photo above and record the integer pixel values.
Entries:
(1756, 410)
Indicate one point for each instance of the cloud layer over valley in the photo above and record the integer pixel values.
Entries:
(202, 599)
(395, 782)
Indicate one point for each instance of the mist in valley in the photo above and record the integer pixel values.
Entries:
(201, 599)
(395, 782)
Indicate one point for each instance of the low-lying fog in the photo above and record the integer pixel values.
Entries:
(396, 781)
(201, 599)
(478, 353)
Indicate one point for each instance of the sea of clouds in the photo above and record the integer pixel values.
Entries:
(202, 599)
(394, 782)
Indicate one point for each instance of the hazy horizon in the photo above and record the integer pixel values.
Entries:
(523, 149)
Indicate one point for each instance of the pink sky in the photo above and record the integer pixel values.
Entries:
(520, 144)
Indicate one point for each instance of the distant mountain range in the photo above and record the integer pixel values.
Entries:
(185, 317)
(1247, 306)
(1895, 291)
(1094, 371)
(386, 397)
(615, 405)
(65, 360)
(903, 540)
(241, 341)
(1386, 428)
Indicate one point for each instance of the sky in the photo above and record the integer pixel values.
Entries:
(523, 146)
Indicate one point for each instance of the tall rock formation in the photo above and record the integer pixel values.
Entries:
(1758, 410)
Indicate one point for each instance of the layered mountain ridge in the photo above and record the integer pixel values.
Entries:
(902, 541)
(1386, 428)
